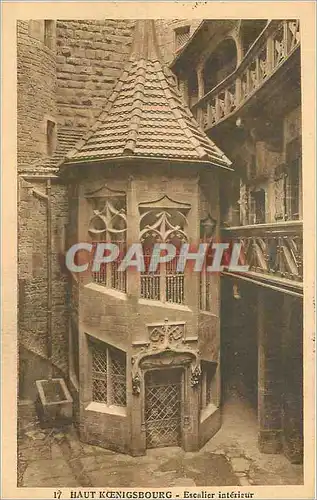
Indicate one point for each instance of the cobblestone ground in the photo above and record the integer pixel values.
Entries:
(55, 458)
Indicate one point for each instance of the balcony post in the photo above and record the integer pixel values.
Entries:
(238, 91)
(208, 114)
(257, 71)
(217, 107)
(269, 54)
(248, 81)
(286, 40)
(227, 102)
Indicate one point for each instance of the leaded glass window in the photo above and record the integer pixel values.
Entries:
(108, 374)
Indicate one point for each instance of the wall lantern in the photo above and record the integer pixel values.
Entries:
(239, 122)
(207, 227)
(236, 292)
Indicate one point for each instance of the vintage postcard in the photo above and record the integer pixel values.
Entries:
(158, 250)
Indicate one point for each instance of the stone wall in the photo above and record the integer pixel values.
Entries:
(108, 431)
(34, 284)
(90, 58)
(36, 90)
(59, 204)
(70, 80)
(67, 81)
(32, 262)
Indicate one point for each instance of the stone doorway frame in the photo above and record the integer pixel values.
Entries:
(166, 345)
(186, 360)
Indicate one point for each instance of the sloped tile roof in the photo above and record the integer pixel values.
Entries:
(145, 116)
(66, 140)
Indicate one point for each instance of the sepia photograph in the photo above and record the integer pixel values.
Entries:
(160, 259)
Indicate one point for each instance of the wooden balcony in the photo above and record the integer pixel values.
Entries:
(273, 252)
(276, 44)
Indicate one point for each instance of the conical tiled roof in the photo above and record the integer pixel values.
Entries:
(145, 116)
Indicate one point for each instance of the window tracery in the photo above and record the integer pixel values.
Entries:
(163, 221)
(108, 224)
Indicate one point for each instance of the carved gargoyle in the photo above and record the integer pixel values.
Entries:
(195, 377)
(136, 385)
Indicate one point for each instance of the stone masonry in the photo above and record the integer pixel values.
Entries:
(65, 81)
(90, 57)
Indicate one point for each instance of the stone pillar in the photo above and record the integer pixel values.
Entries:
(133, 278)
(137, 446)
(293, 379)
(269, 371)
(191, 277)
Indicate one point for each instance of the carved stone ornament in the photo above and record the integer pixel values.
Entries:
(186, 422)
(162, 226)
(195, 376)
(166, 335)
(166, 344)
(109, 209)
(163, 220)
(136, 384)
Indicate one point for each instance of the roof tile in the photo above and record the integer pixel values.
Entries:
(146, 116)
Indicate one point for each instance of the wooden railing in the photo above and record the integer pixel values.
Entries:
(271, 250)
(275, 44)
